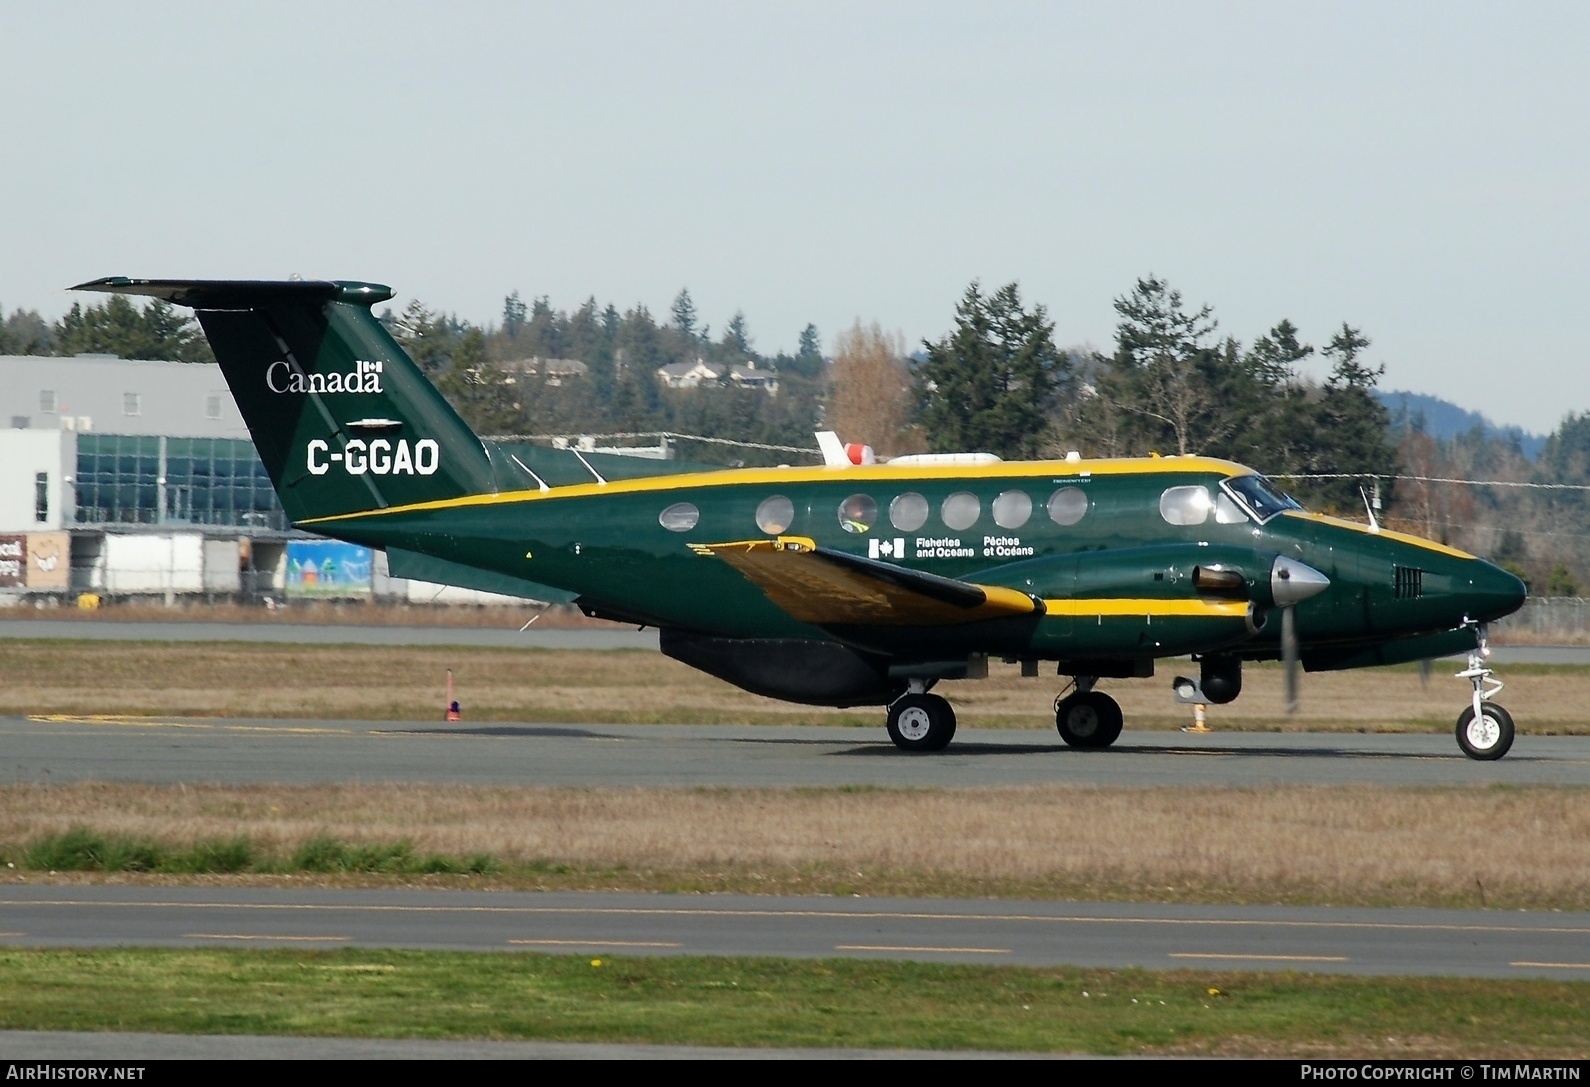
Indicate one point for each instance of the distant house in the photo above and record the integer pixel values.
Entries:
(749, 377)
(690, 375)
(553, 371)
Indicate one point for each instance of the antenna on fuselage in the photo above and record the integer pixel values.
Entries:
(539, 481)
(1371, 507)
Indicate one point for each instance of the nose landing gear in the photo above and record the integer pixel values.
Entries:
(1484, 730)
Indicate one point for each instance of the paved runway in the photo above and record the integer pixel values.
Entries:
(508, 636)
(1478, 943)
(65, 748)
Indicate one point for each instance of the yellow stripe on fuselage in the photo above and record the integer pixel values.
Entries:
(1385, 533)
(772, 477)
(1207, 609)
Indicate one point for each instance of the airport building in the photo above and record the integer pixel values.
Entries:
(131, 478)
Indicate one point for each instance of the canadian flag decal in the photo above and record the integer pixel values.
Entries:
(886, 549)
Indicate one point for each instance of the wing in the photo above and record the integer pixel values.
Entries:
(823, 587)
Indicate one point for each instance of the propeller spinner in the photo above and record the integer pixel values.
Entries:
(1291, 583)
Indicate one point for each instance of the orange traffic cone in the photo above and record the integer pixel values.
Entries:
(452, 703)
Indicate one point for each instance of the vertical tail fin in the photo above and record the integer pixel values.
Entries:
(342, 418)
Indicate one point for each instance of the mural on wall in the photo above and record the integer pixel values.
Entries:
(13, 561)
(328, 568)
(49, 560)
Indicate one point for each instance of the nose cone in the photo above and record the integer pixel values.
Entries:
(1493, 592)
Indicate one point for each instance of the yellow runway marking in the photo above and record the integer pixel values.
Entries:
(663, 911)
(256, 936)
(1555, 965)
(1265, 958)
(954, 950)
(595, 943)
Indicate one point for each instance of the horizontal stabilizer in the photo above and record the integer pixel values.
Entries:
(241, 293)
(832, 588)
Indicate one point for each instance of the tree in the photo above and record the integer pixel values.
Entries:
(735, 337)
(477, 389)
(870, 401)
(514, 315)
(117, 327)
(25, 333)
(988, 385)
(683, 312)
(1353, 427)
(429, 337)
(1167, 373)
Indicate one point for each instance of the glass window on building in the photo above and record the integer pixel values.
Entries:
(126, 479)
(47, 401)
(41, 497)
(132, 404)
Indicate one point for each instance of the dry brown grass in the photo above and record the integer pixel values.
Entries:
(1524, 847)
(234, 679)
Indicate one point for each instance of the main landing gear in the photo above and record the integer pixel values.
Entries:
(921, 722)
(1087, 718)
(1484, 730)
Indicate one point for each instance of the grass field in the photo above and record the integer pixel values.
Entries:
(233, 679)
(1356, 845)
(767, 1002)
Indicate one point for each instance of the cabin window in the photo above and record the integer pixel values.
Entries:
(1012, 509)
(908, 512)
(775, 515)
(1228, 512)
(679, 517)
(1068, 505)
(1185, 505)
(47, 401)
(858, 513)
(961, 510)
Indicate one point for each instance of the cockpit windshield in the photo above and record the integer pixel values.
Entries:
(1261, 496)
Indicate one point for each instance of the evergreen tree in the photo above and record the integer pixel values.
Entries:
(514, 315)
(735, 337)
(683, 312)
(117, 327)
(25, 333)
(987, 386)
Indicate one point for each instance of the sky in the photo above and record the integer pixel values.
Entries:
(1421, 171)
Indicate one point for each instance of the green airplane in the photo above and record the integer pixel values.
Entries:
(845, 584)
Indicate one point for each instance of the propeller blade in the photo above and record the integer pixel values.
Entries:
(1289, 655)
(1424, 673)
